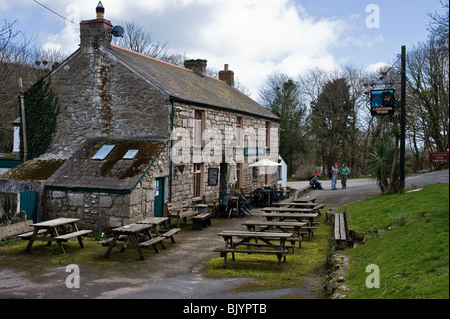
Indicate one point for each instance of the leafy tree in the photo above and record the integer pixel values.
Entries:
(331, 122)
(281, 96)
(379, 165)
(41, 109)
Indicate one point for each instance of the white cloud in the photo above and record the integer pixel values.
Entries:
(255, 37)
(375, 67)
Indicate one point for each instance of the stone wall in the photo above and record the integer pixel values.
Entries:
(99, 97)
(219, 138)
(142, 199)
(96, 210)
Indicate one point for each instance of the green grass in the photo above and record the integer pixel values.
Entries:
(413, 256)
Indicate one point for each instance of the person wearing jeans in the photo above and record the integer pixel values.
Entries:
(334, 175)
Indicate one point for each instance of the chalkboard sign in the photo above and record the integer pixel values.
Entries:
(213, 176)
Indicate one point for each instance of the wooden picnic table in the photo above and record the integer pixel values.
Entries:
(287, 210)
(161, 221)
(267, 225)
(284, 226)
(299, 205)
(314, 206)
(234, 240)
(132, 233)
(59, 230)
(296, 216)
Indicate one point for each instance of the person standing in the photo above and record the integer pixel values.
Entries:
(344, 174)
(334, 175)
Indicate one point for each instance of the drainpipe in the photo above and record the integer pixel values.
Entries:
(24, 131)
(171, 146)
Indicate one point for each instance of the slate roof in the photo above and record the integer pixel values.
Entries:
(111, 174)
(185, 85)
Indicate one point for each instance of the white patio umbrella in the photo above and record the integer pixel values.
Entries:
(265, 163)
(231, 173)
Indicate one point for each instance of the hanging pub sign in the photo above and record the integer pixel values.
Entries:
(382, 102)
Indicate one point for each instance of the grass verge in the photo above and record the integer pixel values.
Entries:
(410, 245)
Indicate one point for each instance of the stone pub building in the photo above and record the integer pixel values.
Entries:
(134, 132)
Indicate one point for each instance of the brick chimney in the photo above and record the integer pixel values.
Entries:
(227, 75)
(198, 66)
(96, 33)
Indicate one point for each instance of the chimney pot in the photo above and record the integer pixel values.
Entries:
(227, 75)
(96, 33)
(100, 10)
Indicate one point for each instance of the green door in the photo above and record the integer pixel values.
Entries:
(28, 203)
(159, 198)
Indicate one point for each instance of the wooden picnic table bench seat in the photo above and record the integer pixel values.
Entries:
(108, 241)
(152, 242)
(224, 252)
(29, 234)
(309, 230)
(158, 222)
(66, 237)
(169, 234)
(201, 220)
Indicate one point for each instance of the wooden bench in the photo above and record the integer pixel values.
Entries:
(28, 235)
(179, 212)
(152, 242)
(201, 220)
(78, 234)
(224, 252)
(309, 230)
(169, 234)
(339, 230)
(343, 232)
(107, 242)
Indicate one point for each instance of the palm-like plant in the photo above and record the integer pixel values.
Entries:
(379, 164)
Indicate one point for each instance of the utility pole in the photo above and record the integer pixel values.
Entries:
(403, 121)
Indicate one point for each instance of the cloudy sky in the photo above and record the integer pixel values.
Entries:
(255, 37)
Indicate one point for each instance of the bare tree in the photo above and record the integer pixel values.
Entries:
(19, 58)
(141, 41)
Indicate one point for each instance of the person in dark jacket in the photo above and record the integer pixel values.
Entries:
(315, 183)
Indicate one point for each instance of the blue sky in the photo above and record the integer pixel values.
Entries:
(255, 37)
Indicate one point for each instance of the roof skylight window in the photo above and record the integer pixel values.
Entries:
(103, 152)
(130, 154)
